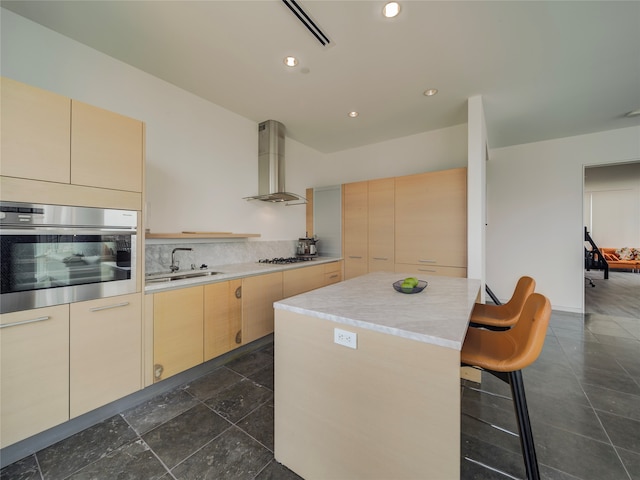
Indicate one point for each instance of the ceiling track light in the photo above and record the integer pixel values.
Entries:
(307, 22)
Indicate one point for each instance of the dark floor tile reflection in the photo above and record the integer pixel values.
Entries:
(78, 451)
(232, 455)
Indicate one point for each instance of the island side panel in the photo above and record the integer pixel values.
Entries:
(388, 409)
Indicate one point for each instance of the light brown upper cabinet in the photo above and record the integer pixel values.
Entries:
(52, 138)
(381, 223)
(431, 221)
(355, 229)
(368, 226)
(106, 149)
(35, 132)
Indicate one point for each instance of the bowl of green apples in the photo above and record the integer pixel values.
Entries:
(409, 285)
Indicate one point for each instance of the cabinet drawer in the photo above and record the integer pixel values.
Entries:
(431, 270)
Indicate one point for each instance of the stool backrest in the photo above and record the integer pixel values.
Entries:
(529, 332)
(524, 288)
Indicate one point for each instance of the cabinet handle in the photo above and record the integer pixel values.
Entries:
(353, 256)
(427, 261)
(239, 292)
(380, 258)
(239, 337)
(335, 275)
(427, 270)
(24, 322)
(107, 307)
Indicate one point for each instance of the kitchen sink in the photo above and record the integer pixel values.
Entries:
(171, 276)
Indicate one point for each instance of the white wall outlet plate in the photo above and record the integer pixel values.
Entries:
(347, 339)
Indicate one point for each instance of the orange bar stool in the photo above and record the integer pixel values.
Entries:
(504, 354)
(502, 317)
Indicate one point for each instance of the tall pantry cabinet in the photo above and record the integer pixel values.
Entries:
(431, 223)
(412, 224)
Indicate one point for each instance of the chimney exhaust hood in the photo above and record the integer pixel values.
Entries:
(271, 165)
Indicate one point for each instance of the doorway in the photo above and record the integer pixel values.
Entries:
(612, 218)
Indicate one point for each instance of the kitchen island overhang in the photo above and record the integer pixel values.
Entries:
(389, 408)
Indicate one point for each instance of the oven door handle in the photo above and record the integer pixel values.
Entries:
(24, 322)
(61, 230)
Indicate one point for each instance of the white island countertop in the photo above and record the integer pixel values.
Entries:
(438, 315)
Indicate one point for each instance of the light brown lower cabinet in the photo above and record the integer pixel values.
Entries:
(258, 295)
(301, 280)
(177, 331)
(34, 372)
(105, 361)
(222, 318)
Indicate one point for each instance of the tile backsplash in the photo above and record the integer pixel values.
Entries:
(158, 255)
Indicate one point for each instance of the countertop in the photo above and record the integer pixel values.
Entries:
(233, 271)
(438, 315)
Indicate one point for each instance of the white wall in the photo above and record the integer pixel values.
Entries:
(535, 219)
(476, 191)
(612, 204)
(423, 152)
(201, 158)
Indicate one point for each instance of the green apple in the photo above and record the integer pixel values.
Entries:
(412, 281)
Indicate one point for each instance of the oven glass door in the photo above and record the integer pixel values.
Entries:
(41, 269)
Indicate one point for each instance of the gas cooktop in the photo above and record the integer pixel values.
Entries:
(283, 260)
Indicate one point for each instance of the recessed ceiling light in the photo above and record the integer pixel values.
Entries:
(391, 9)
(353, 114)
(290, 61)
(430, 92)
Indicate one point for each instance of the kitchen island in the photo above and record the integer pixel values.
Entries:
(388, 408)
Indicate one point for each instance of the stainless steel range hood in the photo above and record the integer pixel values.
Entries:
(271, 172)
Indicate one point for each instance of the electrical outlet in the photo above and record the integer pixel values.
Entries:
(347, 339)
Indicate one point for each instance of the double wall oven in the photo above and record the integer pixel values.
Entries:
(54, 254)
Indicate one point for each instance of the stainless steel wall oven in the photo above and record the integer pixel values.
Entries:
(54, 254)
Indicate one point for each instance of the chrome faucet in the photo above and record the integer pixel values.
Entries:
(174, 267)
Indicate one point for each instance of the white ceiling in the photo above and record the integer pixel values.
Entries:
(545, 69)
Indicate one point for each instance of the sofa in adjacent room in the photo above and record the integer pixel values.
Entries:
(625, 258)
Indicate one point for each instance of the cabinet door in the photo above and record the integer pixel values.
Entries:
(431, 218)
(105, 351)
(222, 318)
(258, 295)
(381, 214)
(35, 126)
(302, 280)
(355, 229)
(34, 372)
(177, 331)
(106, 149)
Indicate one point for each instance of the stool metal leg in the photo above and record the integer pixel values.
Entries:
(524, 425)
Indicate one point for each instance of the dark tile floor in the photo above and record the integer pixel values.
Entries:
(583, 393)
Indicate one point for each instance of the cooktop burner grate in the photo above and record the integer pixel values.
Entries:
(283, 260)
